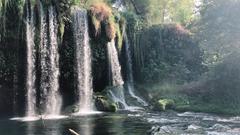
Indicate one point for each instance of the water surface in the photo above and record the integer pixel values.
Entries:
(127, 123)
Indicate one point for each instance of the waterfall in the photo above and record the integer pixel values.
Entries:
(50, 96)
(83, 61)
(31, 77)
(119, 5)
(130, 80)
(117, 95)
(115, 77)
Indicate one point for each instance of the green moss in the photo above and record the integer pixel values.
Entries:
(119, 37)
(164, 104)
(61, 30)
(104, 104)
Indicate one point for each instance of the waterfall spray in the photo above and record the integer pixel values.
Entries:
(130, 80)
(83, 61)
(115, 77)
(50, 96)
(119, 5)
(31, 77)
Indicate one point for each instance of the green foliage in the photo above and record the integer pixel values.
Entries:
(88, 3)
(10, 29)
(165, 11)
(218, 90)
(134, 26)
(4, 73)
(63, 7)
(224, 82)
(134, 22)
(169, 53)
(217, 29)
(182, 11)
(164, 104)
(103, 21)
(198, 105)
(119, 37)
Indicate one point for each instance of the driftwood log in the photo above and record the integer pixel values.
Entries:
(73, 132)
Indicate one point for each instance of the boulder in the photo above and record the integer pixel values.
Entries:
(71, 109)
(103, 104)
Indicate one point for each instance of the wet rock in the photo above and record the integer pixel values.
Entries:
(195, 129)
(103, 104)
(219, 127)
(164, 130)
(71, 109)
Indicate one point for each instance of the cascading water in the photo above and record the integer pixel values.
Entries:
(83, 61)
(115, 77)
(129, 79)
(50, 96)
(31, 77)
(117, 95)
(119, 5)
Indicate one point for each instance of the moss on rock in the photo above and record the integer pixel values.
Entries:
(71, 109)
(164, 104)
(104, 104)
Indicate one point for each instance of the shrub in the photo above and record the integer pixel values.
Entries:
(101, 11)
(164, 104)
(102, 16)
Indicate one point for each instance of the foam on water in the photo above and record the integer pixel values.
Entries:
(39, 117)
(25, 119)
(53, 117)
(84, 113)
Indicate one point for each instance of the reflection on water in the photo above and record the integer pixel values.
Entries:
(42, 128)
(30, 128)
(86, 127)
(127, 123)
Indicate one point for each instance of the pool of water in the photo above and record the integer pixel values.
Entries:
(127, 123)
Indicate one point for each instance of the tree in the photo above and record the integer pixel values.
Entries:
(218, 29)
(169, 53)
(166, 11)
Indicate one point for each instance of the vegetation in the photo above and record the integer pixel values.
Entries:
(164, 104)
(182, 54)
(166, 11)
(169, 52)
(102, 16)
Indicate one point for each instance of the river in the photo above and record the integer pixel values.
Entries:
(128, 123)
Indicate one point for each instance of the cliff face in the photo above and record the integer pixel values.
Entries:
(103, 27)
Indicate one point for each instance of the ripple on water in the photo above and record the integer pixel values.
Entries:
(162, 120)
(230, 120)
